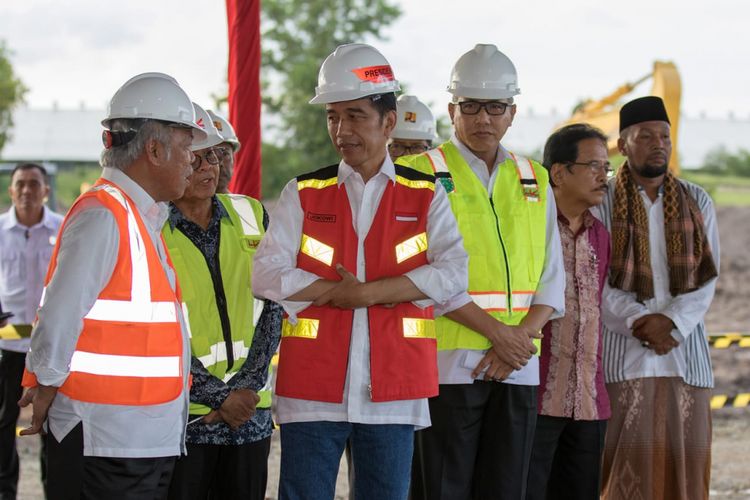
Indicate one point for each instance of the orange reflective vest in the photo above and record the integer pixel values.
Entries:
(403, 350)
(130, 349)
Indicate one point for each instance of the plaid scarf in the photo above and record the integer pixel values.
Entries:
(688, 252)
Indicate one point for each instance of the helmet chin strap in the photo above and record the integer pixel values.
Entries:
(115, 138)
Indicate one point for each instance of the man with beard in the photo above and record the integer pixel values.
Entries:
(665, 256)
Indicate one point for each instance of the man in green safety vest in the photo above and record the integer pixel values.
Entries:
(483, 420)
(211, 240)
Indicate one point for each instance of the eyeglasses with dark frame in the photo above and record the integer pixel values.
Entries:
(211, 156)
(493, 108)
(595, 166)
(398, 149)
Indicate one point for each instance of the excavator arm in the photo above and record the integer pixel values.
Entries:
(604, 113)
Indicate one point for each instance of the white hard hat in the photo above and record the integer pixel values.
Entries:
(415, 120)
(153, 96)
(212, 135)
(226, 131)
(351, 72)
(484, 73)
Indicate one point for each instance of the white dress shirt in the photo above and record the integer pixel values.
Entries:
(276, 277)
(456, 366)
(624, 356)
(24, 257)
(85, 262)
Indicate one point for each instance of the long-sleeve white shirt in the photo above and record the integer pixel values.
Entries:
(623, 355)
(276, 277)
(24, 256)
(85, 262)
(456, 366)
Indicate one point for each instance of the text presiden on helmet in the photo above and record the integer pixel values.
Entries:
(347, 256)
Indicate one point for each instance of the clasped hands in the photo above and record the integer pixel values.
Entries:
(655, 332)
(512, 347)
(349, 293)
(238, 408)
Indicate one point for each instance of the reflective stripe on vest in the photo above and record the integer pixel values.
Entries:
(498, 301)
(140, 308)
(316, 249)
(411, 247)
(528, 179)
(125, 366)
(247, 217)
(219, 353)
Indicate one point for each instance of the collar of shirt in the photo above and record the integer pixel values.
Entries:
(12, 221)
(477, 165)
(218, 212)
(588, 220)
(154, 213)
(387, 169)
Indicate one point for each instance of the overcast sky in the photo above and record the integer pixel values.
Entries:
(81, 51)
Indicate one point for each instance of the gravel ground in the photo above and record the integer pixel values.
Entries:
(730, 476)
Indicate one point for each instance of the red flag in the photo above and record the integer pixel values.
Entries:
(243, 17)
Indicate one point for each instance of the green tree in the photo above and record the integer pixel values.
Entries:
(297, 36)
(11, 94)
(721, 161)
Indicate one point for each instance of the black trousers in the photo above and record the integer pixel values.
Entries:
(479, 444)
(11, 372)
(72, 476)
(566, 459)
(212, 471)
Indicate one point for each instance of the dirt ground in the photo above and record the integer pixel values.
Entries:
(730, 312)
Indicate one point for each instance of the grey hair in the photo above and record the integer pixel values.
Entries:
(121, 157)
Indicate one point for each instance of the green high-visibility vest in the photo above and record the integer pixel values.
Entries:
(239, 239)
(504, 235)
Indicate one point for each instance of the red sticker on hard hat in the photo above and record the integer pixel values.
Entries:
(410, 116)
(375, 74)
(200, 123)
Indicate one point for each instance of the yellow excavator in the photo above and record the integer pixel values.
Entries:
(604, 113)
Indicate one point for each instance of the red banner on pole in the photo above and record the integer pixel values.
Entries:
(243, 17)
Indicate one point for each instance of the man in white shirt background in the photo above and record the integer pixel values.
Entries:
(28, 232)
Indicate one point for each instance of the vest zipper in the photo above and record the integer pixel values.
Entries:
(509, 298)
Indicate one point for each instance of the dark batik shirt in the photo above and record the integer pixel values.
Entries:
(208, 389)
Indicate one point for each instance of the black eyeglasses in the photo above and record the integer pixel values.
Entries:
(397, 149)
(594, 166)
(211, 156)
(493, 108)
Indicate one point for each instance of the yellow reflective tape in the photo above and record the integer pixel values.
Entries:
(305, 328)
(718, 402)
(316, 249)
(722, 343)
(742, 400)
(411, 247)
(419, 328)
(14, 332)
(316, 183)
(415, 184)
